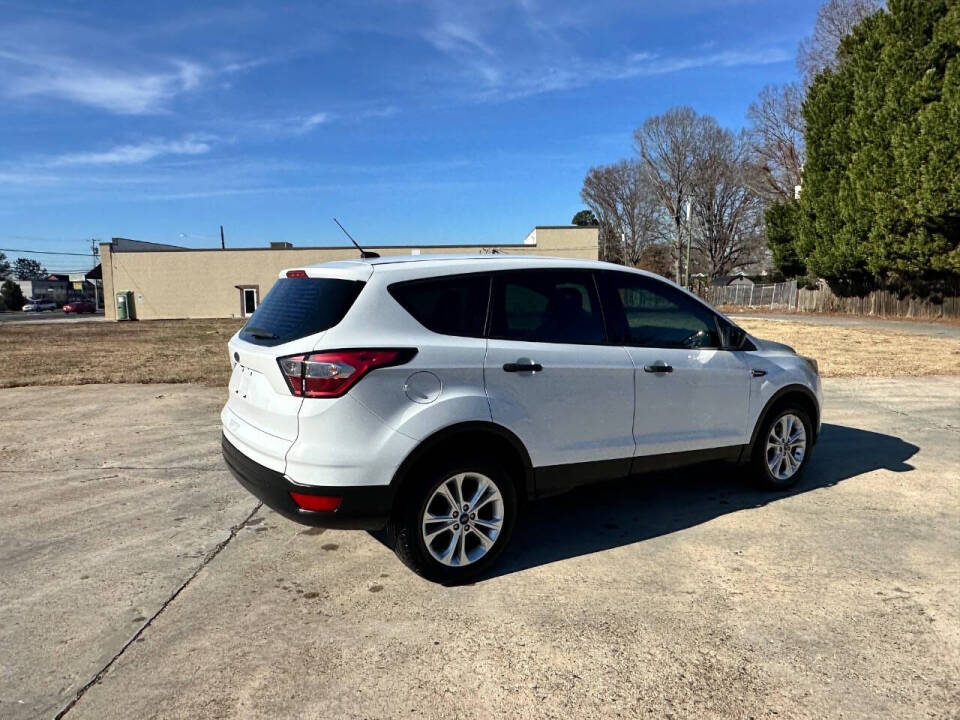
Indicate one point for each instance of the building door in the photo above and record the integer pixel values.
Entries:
(250, 298)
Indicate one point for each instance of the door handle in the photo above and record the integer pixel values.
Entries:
(757, 372)
(522, 367)
(658, 367)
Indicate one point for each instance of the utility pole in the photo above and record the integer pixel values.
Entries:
(223, 243)
(686, 281)
(677, 267)
(95, 251)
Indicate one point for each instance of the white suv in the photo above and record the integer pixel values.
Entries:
(432, 396)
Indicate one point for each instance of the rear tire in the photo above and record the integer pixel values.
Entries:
(782, 448)
(454, 519)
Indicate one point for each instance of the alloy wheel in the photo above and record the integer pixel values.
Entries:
(462, 519)
(786, 446)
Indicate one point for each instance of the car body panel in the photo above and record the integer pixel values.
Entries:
(781, 368)
(79, 306)
(579, 408)
(591, 412)
(710, 385)
(342, 443)
(39, 306)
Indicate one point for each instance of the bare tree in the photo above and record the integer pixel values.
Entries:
(776, 141)
(626, 207)
(729, 215)
(835, 20)
(598, 193)
(667, 145)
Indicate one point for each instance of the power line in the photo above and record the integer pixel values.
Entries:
(42, 252)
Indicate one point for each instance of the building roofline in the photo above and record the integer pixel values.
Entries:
(117, 244)
(324, 247)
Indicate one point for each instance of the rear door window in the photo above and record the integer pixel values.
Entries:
(449, 305)
(297, 307)
(553, 306)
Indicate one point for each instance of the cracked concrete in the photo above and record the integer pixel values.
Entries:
(89, 551)
(163, 592)
(136, 636)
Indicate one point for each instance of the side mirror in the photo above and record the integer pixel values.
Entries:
(732, 337)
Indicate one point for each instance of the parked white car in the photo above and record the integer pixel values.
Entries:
(38, 305)
(433, 395)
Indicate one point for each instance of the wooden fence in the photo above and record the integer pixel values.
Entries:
(880, 303)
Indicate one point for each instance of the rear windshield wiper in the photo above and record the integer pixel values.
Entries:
(260, 334)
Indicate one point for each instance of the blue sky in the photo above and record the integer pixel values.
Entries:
(417, 121)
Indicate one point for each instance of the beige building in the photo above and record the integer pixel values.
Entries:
(166, 281)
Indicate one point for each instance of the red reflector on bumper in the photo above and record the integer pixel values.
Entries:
(316, 502)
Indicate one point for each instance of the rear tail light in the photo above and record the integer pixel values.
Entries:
(330, 374)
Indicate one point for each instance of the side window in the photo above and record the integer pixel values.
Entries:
(554, 306)
(451, 305)
(657, 315)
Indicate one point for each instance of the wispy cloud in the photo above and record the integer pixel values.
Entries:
(311, 121)
(100, 68)
(501, 82)
(294, 125)
(130, 92)
(450, 36)
(506, 50)
(308, 123)
(137, 153)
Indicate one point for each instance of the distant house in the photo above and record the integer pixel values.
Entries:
(732, 280)
(54, 287)
(61, 287)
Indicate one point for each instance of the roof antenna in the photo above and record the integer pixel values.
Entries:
(364, 254)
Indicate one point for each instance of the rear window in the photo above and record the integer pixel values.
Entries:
(297, 307)
(451, 305)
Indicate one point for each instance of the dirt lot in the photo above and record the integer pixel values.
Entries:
(194, 351)
(136, 574)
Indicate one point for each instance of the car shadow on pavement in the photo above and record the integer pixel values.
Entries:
(609, 515)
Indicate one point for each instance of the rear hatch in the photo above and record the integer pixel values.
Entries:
(261, 412)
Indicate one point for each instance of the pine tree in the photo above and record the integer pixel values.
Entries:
(881, 190)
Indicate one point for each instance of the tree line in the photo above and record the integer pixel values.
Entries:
(11, 296)
(850, 174)
(688, 184)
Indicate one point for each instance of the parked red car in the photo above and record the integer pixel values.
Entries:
(79, 306)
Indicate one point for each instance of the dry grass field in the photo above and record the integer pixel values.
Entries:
(849, 351)
(158, 351)
(194, 351)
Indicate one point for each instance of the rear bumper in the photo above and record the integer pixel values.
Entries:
(362, 507)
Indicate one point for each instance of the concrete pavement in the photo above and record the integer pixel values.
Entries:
(137, 576)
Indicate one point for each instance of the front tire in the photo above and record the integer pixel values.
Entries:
(782, 447)
(455, 519)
